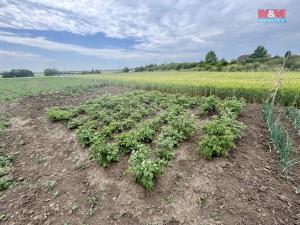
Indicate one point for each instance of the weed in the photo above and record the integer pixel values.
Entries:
(5, 182)
(74, 208)
(2, 216)
(56, 194)
(50, 185)
(93, 201)
(201, 201)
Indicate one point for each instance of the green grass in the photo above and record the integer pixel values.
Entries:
(253, 86)
(13, 88)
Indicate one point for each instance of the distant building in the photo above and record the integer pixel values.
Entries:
(242, 58)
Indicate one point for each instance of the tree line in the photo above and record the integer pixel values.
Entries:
(259, 60)
(15, 73)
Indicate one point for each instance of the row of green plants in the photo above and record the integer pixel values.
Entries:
(293, 114)
(5, 161)
(222, 131)
(2, 124)
(148, 126)
(112, 126)
(5, 164)
(279, 136)
(146, 165)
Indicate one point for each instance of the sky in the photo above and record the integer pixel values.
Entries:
(112, 34)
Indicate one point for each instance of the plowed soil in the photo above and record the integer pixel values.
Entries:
(248, 187)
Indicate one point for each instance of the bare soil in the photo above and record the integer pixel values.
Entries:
(246, 188)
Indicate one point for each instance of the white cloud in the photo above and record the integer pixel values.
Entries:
(164, 29)
(17, 55)
(43, 43)
(158, 25)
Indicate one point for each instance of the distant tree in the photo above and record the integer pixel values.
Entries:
(259, 52)
(223, 62)
(211, 57)
(51, 72)
(125, 70)
(17, 73)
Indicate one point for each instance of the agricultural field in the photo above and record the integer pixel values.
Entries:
(163, 148)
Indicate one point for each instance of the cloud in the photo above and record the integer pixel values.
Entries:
(43, 43)
(164, 30)
(17, 55)
(157, 25)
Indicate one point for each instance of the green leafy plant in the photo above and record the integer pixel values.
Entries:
(104, 153)
(144, 169)
(5, 182)
(56, 114)
(127, 142)
(2, 124)
(233, 106)
(208, 104)
(219, 136)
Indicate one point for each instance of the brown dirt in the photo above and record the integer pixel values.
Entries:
(245, 188)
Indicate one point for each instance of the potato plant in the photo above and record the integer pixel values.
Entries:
(221, 132)
(130, 123)
(208, 104)
(144, 168)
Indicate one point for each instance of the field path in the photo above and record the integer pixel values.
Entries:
(56, 183)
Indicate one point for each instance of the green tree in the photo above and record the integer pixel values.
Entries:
(211, 57)
(17, 73)
(259, 52)
(51, 72)
(126, 70)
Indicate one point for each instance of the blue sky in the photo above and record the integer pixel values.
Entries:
(111, 34)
